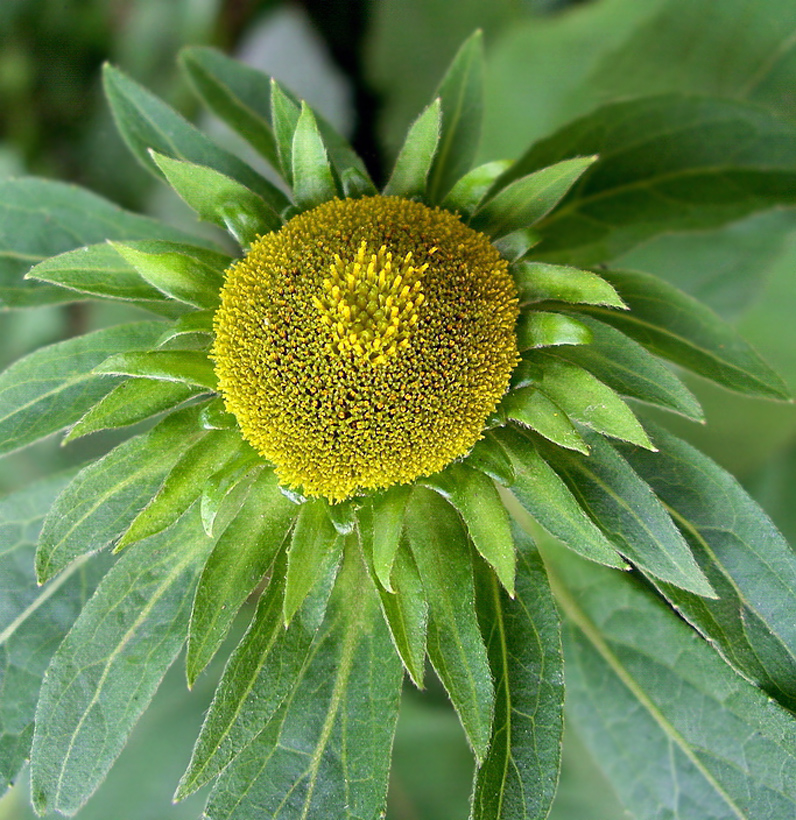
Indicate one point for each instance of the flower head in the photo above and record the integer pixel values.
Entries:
(365, 343)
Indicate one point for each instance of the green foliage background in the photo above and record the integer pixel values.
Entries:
(547, 63)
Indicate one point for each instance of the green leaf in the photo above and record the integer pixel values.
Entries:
(215, 417)
(197, 321)
(96, 271)
(286, 108)
(442, 552)
(99, 503)
(234, 92)
(656, 58)
(626, 509)
(677, 327)
(474, 496)
(667, 163)
(540, 328)
(219, 199)
(147, 123)
(238, 562)
(587, 400)
(224, 488)
(627, 367)
(545, 496)
(262, 670)
(132, 401)
(406, 612)
(107, 669)
(314, 546)
(461, 93)
(41, 218)
(182, 486)
(184, 366)
(33, 619)
(383, 531)
(467, 193)
(747, 561)
(54, 386)
(518, 778)
(538, 281)
(532, 408)
(515, 245)
(191, 275)
(526, 201)
(637, 677)
(313, 182)
(328, 748)
(409, 175)
(490, 458)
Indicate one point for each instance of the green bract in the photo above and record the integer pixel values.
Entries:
(345, 411)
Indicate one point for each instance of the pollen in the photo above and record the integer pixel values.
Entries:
(365, 343)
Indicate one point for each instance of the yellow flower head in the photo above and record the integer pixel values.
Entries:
(365, 343)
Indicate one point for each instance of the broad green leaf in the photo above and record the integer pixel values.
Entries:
(33, 619)
(326, 751)
(659, 58)
(183, 366)
(538, 281)
(532, 408)
(461, 94)
(627, 367)
(524, 202)
(234, 92)
(132, 401)
(219, 199)
(410, 173)
(238, 562)
(262, 670)
(626, 509)
(386, 523)
(673, 325)
(147, 124)
(54, 386)
(490, 458)
(313, 182)
(314, 545)
(442, 552)
(182, 486)
(587, 400)
(107, 669)
(563, 47)
(343, 516)
(99, 271)
(515, 245)
(518, 778)
(540, 328)
(99, 503)
(41, 218)
(476, 499)
(467, 193)
(705, 742)
(215, 417)
(228, 484)
(545, 496)
(188, 274)
(747, 561)
(668, 163)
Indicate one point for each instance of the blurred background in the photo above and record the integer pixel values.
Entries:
(369, 66)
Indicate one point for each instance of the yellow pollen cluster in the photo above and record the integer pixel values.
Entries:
(370, 304)
(365, 343)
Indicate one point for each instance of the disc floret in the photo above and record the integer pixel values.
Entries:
(365, 343)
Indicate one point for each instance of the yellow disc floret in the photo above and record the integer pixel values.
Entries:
(365, 343)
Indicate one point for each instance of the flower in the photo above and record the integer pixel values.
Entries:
(346, 406)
